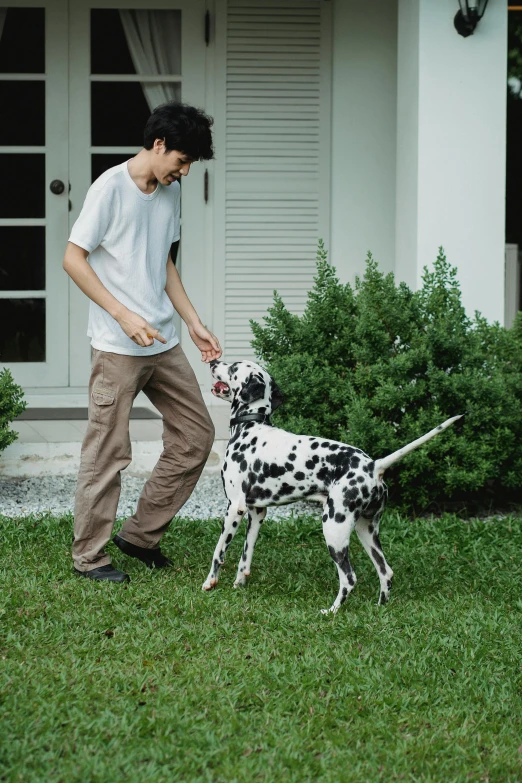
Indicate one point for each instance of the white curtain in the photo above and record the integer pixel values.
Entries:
(3, 14)
(154, 41)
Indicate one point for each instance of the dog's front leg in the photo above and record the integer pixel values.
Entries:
(228, 531)
(257, 516)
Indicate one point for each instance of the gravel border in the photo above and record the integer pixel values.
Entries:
(55, 495)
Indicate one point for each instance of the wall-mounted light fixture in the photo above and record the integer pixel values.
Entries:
(469, 15)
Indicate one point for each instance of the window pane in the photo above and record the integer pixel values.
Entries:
(22, 258)
(23, 192)
(22, 330)
(100, 163)
(119, 113)
(22, 44)
(15, 99)
(109, 50)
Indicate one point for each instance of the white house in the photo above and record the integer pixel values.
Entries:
(369, 123)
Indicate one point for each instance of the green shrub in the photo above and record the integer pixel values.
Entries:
(11, 405)
(379, 365)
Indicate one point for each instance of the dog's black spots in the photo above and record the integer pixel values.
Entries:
(292, 457)
(257, 465)
(384, 598)
(310, 464)
(351, 474)
(369, 467)
(352, 482)
(331, 508)
(253, 441)
(340, 517)
(294, 447)
(324, 476)
(222, 528)
(285, 489)
(261, 478)
(389, 584)
(333, 446)
(244, 487)
(276, 470)
(224, 465)
(228, 538)
(244, 555)
(344, 594)
(352, 506)
(234, 523)
(216, 565)
(325, 518)
(232, 369)
(299, 475)
(243, 465)
(354, 462)
(365, 492)
(379, 559)
(314, 445)
(301, 489)
(370, 528)
(377, 541)
(350, 493)
(289, 466)
(325, 444)
(243, 447)
(252, 477)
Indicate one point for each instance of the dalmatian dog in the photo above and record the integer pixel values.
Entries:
(267, 466)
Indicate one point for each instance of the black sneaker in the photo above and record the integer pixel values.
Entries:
(153, 558)
(106, 573)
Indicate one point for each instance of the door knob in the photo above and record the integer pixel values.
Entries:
(57, 187)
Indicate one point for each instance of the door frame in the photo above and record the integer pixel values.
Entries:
(54, 371)
(196, 269)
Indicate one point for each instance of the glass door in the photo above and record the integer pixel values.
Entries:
(34, 199)
(125, 59)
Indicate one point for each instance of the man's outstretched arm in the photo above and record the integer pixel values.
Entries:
(207, 342)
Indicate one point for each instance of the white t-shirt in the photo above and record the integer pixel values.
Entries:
(128, 235)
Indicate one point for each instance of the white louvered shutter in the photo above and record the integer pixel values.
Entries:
(277, 157)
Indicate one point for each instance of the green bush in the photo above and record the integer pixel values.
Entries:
(11, 406)
(379, 365)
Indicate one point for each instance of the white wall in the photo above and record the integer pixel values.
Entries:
(451, 154)
(364, 94)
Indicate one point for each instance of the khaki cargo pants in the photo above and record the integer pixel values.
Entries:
(188, 433)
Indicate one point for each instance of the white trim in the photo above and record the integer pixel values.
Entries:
(23, 294)
(7, 150)
(114, 150)
(133, 77)
(23, 221)
(22, 77)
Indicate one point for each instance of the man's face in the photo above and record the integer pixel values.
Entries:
(169, 166)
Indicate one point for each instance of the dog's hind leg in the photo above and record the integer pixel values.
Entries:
(368, 532)
(228, 531)
(338, 525)
(256, 517)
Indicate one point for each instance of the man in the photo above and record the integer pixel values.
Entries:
(129, 221)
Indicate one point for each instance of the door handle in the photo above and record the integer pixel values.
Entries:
(57, 187)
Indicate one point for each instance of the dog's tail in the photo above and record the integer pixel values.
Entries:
(383, 464)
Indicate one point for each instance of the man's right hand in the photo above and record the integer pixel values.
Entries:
(138, 329)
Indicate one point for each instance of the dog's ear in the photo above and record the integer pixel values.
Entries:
(277, 397)
(253, 389)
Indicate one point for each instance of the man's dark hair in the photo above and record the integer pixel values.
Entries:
(183, 127)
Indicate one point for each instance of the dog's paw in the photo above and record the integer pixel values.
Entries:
(241, 582)
(209, 584)
(332, 610)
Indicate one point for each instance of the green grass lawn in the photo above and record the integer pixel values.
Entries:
(158, 681)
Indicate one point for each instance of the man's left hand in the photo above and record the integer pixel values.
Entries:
(207, 342)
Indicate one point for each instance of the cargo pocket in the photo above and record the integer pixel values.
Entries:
(103, 408)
